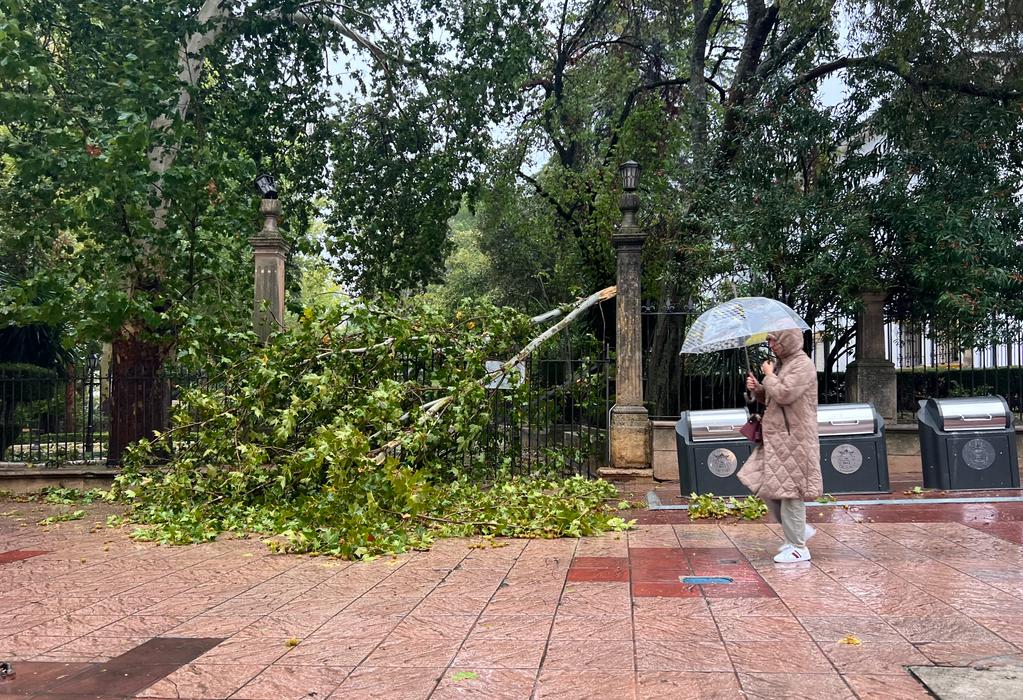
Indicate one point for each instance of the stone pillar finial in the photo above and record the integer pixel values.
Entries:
(630, 423)
(271, 252)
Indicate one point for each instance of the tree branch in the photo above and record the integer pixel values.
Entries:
(964, 87)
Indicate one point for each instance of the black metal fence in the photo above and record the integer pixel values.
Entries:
(67, 419)
(930, 362)
(554, 423)
(674, 383)
(940, 363)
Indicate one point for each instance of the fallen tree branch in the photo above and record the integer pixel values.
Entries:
(437, 406)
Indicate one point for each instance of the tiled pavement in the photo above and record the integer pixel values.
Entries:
(85, 612)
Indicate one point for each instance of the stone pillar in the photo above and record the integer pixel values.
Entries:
(271, 252)
(871, 376)
(630, 425)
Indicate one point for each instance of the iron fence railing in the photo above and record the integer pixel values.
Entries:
(555, 422)
(930, 362)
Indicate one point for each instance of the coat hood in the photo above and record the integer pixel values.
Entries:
(790, 342)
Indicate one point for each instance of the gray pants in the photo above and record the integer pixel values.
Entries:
(791, 513)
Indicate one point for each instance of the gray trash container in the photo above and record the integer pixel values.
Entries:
(710, 451)
(854, 457)
(968, 444)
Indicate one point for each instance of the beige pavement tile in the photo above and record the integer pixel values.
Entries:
(283, 682)
(901, 686)
(583, 655)
(389, 683)
(789, 656)
(328, 652)
(246, 650)
(213, 626)
(760, 629)
(421, 653)
(686, 685)
(967, 653)
(596, 628)
(873, 657)
(866, 628)
(202, 681)
(689, 655)
(794, 686)
(585, 685)
(500, 653)
(497, 626)
(485, 683)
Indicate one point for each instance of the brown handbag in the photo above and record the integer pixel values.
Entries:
(753, 430)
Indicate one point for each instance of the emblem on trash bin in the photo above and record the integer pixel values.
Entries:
(978, 454)
(722, 462)
(846, 458)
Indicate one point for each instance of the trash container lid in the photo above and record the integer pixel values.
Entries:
(717, 424)
(972, 413)
(846, 419)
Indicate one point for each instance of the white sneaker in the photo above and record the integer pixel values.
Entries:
(809, 532)
(792, 555)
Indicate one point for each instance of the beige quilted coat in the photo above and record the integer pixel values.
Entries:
(787, 463)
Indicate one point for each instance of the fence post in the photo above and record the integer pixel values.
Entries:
(271, 252)
(871, 376)
(630, 423)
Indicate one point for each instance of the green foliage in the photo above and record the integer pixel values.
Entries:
(70, 496)
(63, 517)
(710, 506)
(352, 434)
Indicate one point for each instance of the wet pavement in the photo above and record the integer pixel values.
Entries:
(86, 612)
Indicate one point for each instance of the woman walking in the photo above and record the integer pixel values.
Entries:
(784, 470)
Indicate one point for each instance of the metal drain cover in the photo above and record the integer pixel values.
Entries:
(703, 580)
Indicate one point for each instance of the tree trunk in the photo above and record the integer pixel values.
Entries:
(69, 399)
(139, 393)
(664, 366)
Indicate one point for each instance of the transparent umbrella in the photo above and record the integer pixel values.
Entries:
(740, 323)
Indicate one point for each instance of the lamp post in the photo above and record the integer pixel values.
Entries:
(91, 364)
(630, 424)
(270, 255)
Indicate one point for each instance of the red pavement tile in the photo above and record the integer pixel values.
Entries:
(599, 562)
(19, 555)
(642, 589)
(595, 574)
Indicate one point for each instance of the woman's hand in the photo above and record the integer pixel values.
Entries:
(752, 384)
(768, 368)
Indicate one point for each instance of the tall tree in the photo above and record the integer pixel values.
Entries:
(132, 132)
